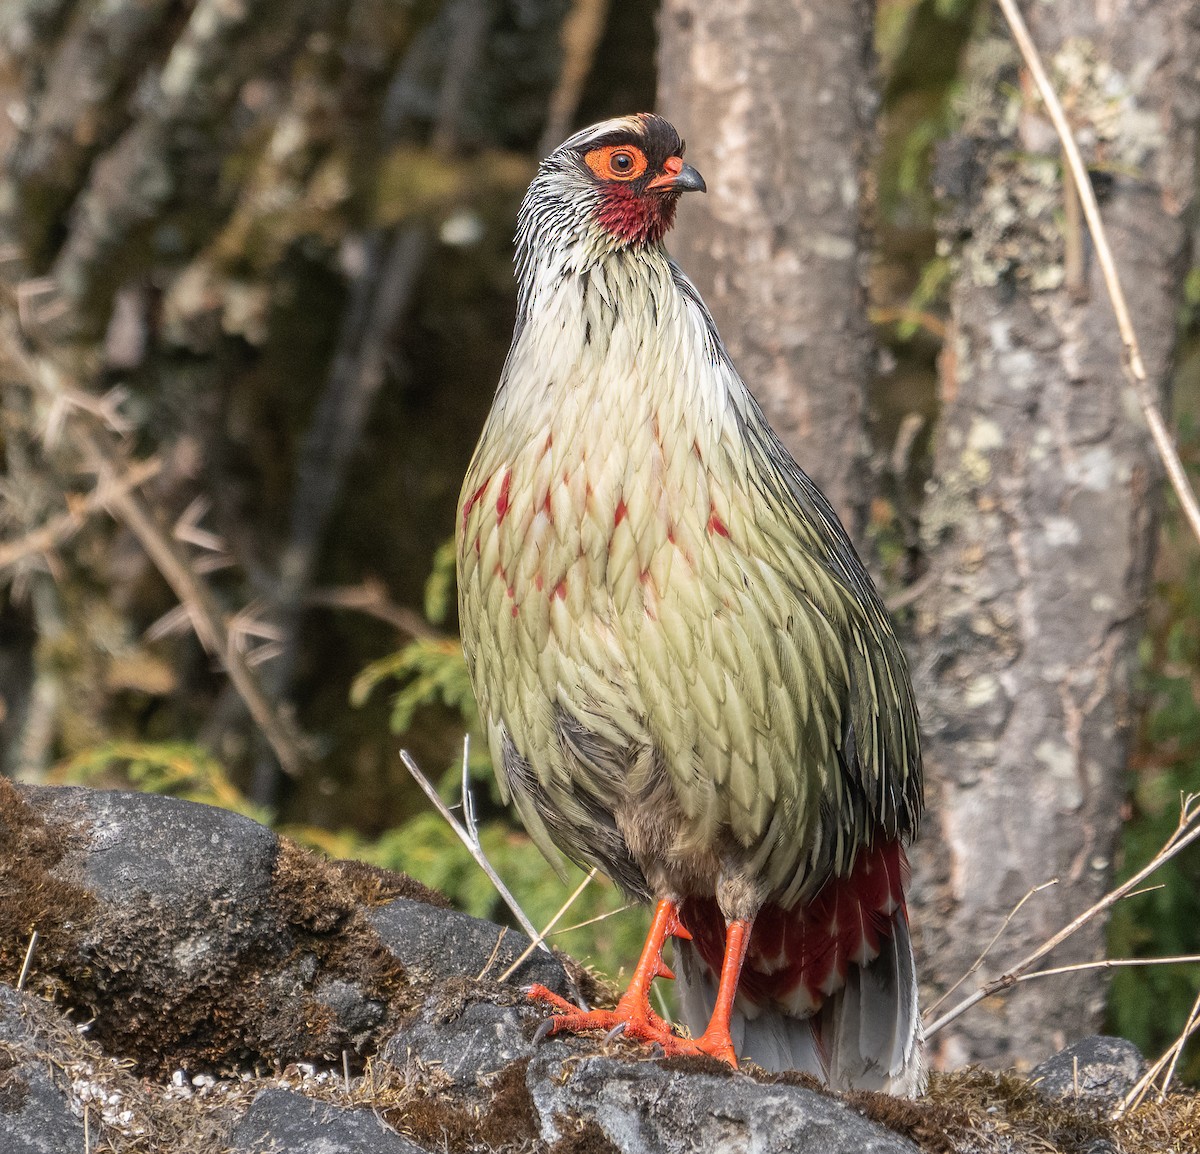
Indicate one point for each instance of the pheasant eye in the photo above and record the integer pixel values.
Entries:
(616, 162)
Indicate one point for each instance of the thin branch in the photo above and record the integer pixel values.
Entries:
(995, 938)
(473, 846)
(371, 597)
(1135, 370)
(96, 447)
(1111, 964)
(1186, 832)
(581, 34)
(57, 530)
(541, 938)
(903, 598)
(203, 611)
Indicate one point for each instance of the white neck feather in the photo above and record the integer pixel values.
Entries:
(618, 335)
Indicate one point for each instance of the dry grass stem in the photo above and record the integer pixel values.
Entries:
(995, 938)
(468, 795)
(491, 961)
(540, 939)
(1135, 370)
(1186, 832)
(1167, 1062)
(1176, 1050)
(33, 941)
(592, 921)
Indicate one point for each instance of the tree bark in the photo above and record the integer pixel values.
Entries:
(1040, 523)
(777, 101)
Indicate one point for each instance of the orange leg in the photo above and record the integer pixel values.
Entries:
(633, 1014)
(716, 1040)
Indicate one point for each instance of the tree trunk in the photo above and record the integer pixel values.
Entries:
(777, 101)
(1041, 517)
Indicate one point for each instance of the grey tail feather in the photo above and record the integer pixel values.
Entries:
(867, 1036)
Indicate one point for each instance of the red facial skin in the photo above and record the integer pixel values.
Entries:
(637, 217)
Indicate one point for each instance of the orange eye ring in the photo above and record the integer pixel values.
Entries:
(617, 162)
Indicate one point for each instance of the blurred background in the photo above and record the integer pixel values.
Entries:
(256, 290)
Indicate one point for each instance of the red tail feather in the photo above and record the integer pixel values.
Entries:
(799, 956)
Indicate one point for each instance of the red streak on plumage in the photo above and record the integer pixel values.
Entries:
(539, 582)
(810, 946)
(470, 502)
(619, 515)
(715, 524)
(560, 590)
(502, 500)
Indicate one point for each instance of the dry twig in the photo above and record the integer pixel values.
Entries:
(1135, 370)
(995, 938)
(473, 845)
(1186, 832)
(371, 597)
(96, 448)
(206, 616)
(1111, 964)
(59, 529)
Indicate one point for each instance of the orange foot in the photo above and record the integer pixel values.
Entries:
(633, 1016)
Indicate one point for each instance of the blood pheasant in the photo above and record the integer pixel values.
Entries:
(686, 675)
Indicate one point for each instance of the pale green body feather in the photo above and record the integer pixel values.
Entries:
(641, 563)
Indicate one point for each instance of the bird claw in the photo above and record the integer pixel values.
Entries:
(615, 1032)
(544, 1030)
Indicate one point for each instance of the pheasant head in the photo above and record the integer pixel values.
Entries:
(609, 187)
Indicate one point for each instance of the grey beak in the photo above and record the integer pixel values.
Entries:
(689, 180)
